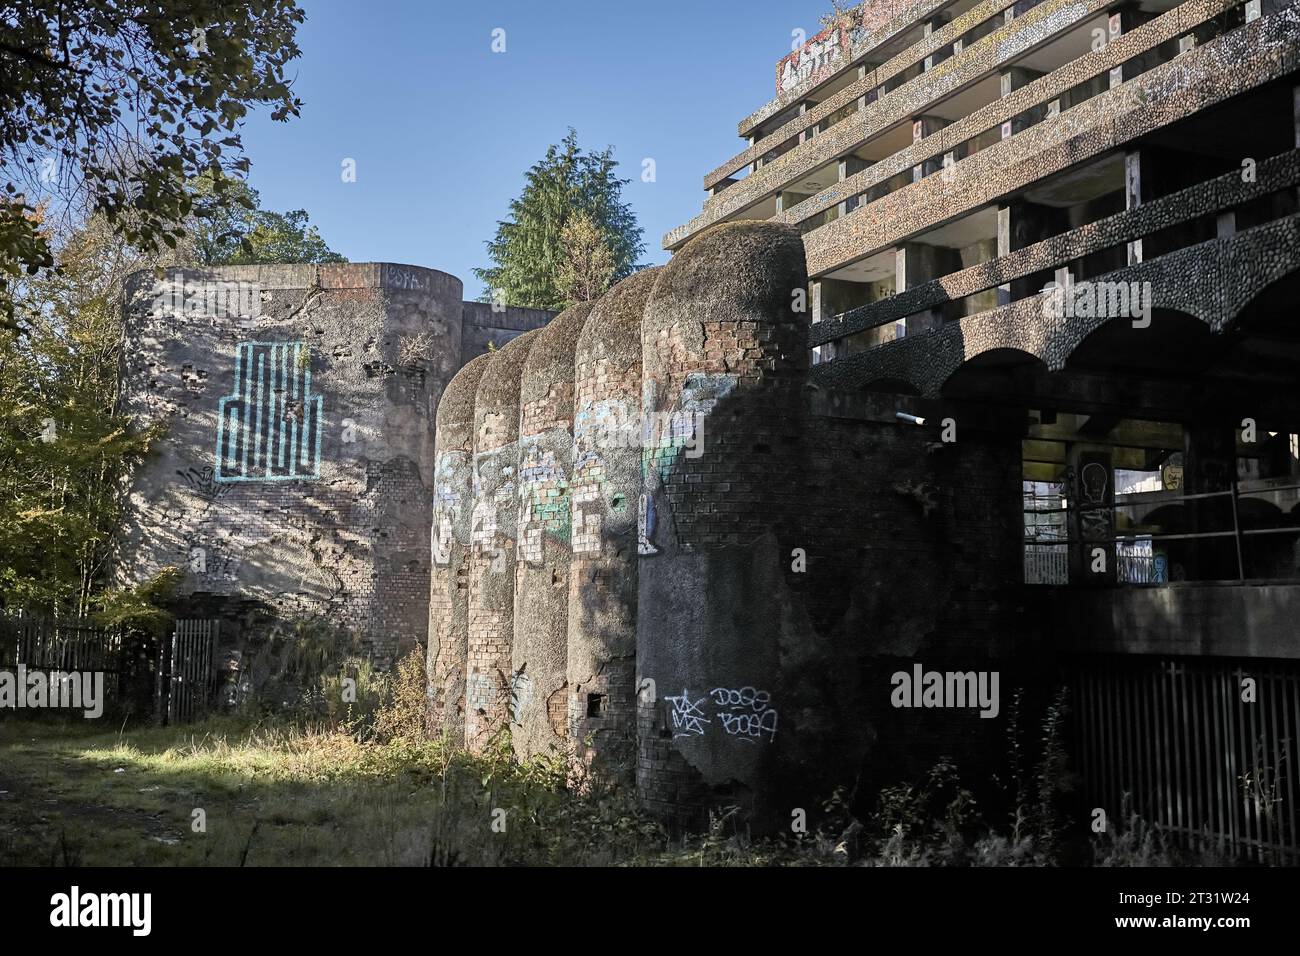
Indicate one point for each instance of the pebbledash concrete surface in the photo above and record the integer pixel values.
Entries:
(973, 384)
(296, 469)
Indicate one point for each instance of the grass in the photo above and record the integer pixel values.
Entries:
(228, 792)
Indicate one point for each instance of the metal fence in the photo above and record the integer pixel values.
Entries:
(1194, 747)
(185, 679)
(65, 645)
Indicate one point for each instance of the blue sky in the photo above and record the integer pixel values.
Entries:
(442, 129)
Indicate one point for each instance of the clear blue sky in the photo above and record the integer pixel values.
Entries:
(442, 129)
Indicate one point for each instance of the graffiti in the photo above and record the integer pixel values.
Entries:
(448, 506)
(688, 719)
(819, 53)
(750, 727)
(203, 482)
(748, 715)
(269, 427)
(408, 279)
(543, 502)
(1094, 499)
(744, 713)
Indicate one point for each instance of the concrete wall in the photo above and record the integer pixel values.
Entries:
(355, 357)
(484, 326)
(307, 494)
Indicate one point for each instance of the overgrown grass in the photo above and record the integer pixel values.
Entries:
(374, 791)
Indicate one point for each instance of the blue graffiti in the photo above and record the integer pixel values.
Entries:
(269, 427)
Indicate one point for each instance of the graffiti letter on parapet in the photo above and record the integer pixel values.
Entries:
(269, 427)
(688, 719)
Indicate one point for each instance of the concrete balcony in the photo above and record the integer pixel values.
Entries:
(959, 83)
(1229, 619)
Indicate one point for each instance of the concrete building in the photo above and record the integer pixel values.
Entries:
(294, 473)
(975, 379)
(1062, 237)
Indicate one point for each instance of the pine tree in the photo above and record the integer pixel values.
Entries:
(529, 250)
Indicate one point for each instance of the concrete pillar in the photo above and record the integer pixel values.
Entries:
(603, 575)
(725, 363)
(1022, 224)
(928, 28)
(923, 126)
(1133, 197)
(492, 542)
(1092, 516)
(850, 166)
(1209, 465)
(539, 692)
(453, 492)
(1011, 80)
(1125, 19)
(916, 263)
(811, 131)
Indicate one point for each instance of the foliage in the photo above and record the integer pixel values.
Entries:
(229, 228)
(402, 716)
(140, 606)
(587, 267)
(119, 108)
(63, 446)
(529, 249)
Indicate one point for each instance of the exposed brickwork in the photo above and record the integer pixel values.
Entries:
(539, 722)
(345, 539)
(603, 575)
(493, 543)
(453, 505)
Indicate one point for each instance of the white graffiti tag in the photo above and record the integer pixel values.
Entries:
(744, 712)
(688, 719)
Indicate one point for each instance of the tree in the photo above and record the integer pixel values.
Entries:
(63, 447)
(587, 265)
(121, 105)
(230, 228)
(528, 249)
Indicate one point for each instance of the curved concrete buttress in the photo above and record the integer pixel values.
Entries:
(453, 504)
(605, 487)
(492, 542)
(539, 720)
(725, 363)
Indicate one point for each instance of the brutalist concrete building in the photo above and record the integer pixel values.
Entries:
(972, 386)
(1052, 259)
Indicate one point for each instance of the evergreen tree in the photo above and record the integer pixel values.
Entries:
(529, 249)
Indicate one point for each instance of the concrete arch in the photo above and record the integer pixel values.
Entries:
(988, 358)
